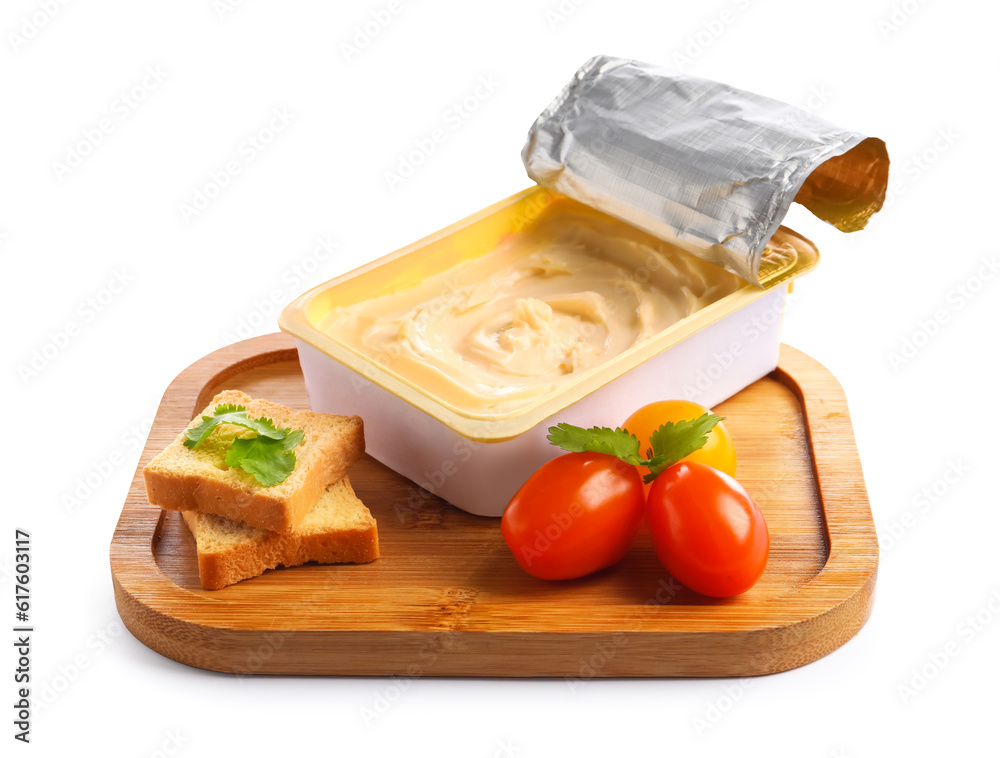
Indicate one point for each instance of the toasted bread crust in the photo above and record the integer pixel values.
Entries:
(230, 552)
(194, 480)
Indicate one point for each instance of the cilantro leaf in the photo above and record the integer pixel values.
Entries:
(672, 442)
(617, 442)
(269, 460)
(231, 414)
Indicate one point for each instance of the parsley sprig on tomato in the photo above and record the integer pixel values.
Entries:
(581, 512)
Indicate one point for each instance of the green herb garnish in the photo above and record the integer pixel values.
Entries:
(598, 439)
(669, 444)
(268, 456)
(231, 414)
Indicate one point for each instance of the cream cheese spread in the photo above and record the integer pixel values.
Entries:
(496, 333)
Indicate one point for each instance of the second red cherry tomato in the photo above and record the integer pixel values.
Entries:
(706, 529)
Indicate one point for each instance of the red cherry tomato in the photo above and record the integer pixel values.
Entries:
(706, 529)
(577, 514)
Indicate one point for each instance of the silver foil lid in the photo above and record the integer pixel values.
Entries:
(702, 165)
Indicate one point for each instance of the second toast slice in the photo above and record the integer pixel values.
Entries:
(337, 529)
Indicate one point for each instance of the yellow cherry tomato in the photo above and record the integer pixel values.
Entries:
(718, 451)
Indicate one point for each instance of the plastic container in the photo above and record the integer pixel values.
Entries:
(478, 460)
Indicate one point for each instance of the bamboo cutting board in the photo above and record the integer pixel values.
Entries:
(446, 596)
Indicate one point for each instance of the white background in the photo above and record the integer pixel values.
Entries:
(920, 75)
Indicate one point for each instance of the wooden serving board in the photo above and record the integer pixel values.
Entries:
(447, 598)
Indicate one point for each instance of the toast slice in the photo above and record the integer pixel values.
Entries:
(337, 529)
(182, 479)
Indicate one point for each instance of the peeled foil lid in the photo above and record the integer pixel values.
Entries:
(702, 165)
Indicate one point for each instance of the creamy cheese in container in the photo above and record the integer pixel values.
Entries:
(564, 295)
(459, 351)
